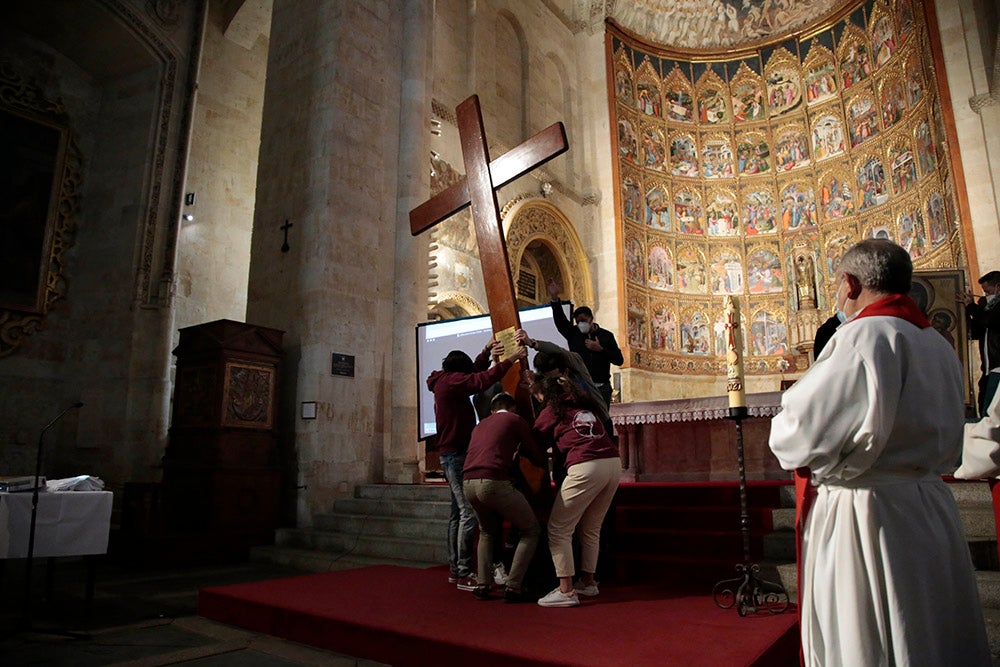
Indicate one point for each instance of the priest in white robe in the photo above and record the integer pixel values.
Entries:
(886, 576)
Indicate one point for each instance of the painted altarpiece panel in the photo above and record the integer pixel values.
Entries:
(906, 20)
(910, 227)
(635, 259)
(695, 329)
(660, 267)
(721, 213)
(683, 155)
(688, 212)
(624, 79)
(726, 269)
(820, 80)
(753, 154)
(631, 196)
(636, 324)
(828, 133)
(798, 206)
(791, 147)
(652, 151)
(663, 326)
(784, 84)
(926, 152)
(628, 138)
(691, 272)
(764, 271)
(883, 34)
(836, 199)
(747, 95)
(871, 181)
(880, 226)
(648, 100)
(855, 63)
(678, 97)
(759, 211)
(657, 213)
(937, 220)
(862, 118)
(716, 156)
(713, 99)
(914, 77)
(904, 171)
(892, 98)
(768, 334)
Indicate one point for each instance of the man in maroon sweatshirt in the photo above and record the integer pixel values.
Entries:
(453, 386)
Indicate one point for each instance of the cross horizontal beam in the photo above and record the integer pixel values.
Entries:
(536, 151)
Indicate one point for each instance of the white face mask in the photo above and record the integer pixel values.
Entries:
(584, 327)
(992, 299)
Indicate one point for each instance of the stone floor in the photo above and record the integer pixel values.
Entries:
(137, 617)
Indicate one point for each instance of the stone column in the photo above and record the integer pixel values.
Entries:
(401, 446)
(329, 164)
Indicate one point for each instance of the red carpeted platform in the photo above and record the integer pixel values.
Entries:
(403, 616)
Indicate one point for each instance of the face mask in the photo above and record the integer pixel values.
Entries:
(992, 299)
(584, 327)
(841, 315)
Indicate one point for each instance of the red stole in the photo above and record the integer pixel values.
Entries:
(896, 305)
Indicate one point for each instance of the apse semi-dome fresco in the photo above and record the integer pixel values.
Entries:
(751, 172)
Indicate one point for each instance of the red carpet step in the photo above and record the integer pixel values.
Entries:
(686, 534)
(405, 616)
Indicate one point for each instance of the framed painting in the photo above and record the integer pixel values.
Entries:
(30, 180)
(936, 294)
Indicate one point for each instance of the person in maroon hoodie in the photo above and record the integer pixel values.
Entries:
(453, 386)
(593, 469)
(489, 486)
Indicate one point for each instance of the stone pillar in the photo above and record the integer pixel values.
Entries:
(329, 165)
(401, 446)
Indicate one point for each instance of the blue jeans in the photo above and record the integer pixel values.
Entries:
(462, 522)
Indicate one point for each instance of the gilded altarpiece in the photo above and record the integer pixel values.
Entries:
(750, 173)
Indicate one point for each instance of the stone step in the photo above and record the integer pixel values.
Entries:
(411, 492)
(987, 581)
(311, 560)
(416, 509)
(977, 519)
(971, 494)
(378, 546)
(389, 526)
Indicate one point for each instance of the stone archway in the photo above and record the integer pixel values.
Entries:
(453, 305)
(542, 243)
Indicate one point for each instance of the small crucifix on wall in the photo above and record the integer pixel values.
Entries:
(284, 246)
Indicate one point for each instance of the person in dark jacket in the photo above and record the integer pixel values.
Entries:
(983, 317)
(453, 386)
(596, 346)
(489, 484)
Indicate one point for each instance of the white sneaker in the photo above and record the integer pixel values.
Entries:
(499, 574)
(559, 599)
(590, 590)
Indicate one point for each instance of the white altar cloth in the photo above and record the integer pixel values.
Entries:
(69, 523)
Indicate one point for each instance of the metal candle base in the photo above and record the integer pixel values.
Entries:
(748, 592)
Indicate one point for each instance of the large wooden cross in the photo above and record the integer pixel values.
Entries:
(478, 189)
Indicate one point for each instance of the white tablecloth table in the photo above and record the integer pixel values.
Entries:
(68, 523)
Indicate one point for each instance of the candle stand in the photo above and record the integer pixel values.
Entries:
(748, 592)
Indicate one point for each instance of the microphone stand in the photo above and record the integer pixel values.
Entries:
(34, 514)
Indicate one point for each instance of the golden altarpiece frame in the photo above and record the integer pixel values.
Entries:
(749, 173)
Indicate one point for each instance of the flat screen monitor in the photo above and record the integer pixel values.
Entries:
(470, 334)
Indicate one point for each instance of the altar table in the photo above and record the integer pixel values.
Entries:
(692, 439)
(68, 523)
